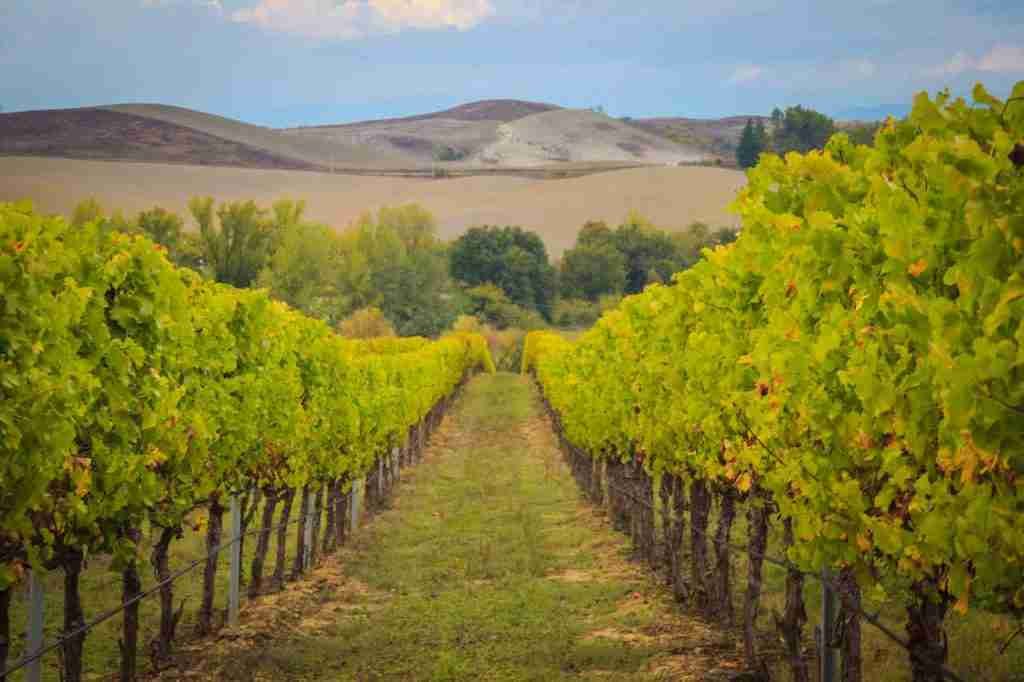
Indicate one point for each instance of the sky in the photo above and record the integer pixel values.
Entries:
(303, 62)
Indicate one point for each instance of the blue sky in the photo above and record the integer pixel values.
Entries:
(290, 62)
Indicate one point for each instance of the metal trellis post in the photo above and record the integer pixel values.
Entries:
(34, 632)
(310, 511)
(235, 587)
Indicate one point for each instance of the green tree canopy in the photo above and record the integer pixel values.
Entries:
(300, 270)
(395, 261)
(801, 130)
(606, 262)
(236, 239)
(162, 226)
(513, 259)
(647, 250)
(591, 270)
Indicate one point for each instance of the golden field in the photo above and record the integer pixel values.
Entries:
(671, 197)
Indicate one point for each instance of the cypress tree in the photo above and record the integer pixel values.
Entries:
(749, 148)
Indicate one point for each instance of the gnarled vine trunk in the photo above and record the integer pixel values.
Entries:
(791, 624)
(214, 533)
(925, 634)
(318, 510)
(757, 542)
(74, 617)
(723, 554)
(330, 533)
(700, 507)
(647, 516)
(250, 502)
(665, 498)
(262, 543)
(131, 587)
(160, 558)
(300, 537)
(5, 629)
(342, 517)
(287, 499)
(634, 494)
(679, 590)
(849, 599)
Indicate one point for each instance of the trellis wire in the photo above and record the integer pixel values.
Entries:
(871, 619)
(429, 422)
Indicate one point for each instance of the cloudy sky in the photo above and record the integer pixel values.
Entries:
(288, 62)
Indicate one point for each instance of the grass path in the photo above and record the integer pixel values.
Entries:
(488, 566)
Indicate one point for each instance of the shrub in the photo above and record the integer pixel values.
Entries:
(574, 312)
(366, 323)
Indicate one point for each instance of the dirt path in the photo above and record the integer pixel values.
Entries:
(487, 567)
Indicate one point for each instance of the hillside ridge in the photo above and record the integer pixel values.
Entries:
(481, 136)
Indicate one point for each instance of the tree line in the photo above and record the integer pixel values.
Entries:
(389, 273)
(797, 129)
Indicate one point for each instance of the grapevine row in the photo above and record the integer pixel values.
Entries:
(133, 392)
(854, 363)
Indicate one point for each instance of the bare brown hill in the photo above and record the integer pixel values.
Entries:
(503, 110)
(324, 152)
(90, 133)
(497, 135)
(510, 133)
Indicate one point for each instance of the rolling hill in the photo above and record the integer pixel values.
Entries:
(120, 135)
(510, 133)
(484, 136)
(321, 152)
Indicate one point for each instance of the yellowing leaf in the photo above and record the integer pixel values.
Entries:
(83, 481)
(915, 269)
(863, 542)
(864, 441)
(155, 457)
(744, 482)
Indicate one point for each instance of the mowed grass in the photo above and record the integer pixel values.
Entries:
(487, 567)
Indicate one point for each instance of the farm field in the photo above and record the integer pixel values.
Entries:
(671, 197)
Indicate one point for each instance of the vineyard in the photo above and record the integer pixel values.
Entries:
(851, 369)
(844, 383)
(136, 395)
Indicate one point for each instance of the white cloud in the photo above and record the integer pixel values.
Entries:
(746, 74)
(356, 18)
(214, 5)
(1003, 59)
(1000, 59)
